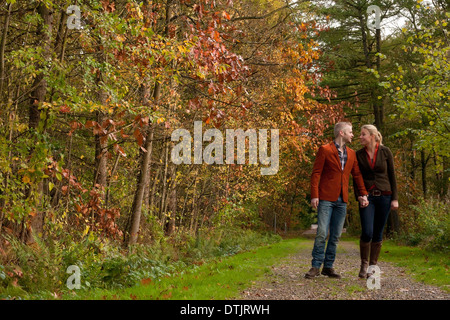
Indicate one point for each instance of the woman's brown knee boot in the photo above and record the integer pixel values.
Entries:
(375, 248)
(364, 249)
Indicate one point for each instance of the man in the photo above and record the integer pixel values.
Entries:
(329, 195)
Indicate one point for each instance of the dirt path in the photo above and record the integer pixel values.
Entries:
(287, 281)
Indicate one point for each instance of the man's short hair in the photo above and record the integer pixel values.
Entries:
(340, 126)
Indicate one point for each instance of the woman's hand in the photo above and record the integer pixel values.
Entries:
(363, 201)
(394, 204)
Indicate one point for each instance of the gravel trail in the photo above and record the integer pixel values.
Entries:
(287, 282)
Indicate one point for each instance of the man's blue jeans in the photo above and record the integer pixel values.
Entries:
(330, 216)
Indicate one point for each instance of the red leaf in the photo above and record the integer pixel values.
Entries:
(64, 109)
(215, 35)
(167, 296)
(90, 124)
(146, 281)
(139, 137)
(103, 139)
(120, 150)
(106, 122)
(123, 134)
(226, 15)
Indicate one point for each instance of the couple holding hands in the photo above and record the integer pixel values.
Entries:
(372, 169)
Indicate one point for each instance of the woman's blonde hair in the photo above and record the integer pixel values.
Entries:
(373, 131)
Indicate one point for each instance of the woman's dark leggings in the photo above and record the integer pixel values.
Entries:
(374, 218)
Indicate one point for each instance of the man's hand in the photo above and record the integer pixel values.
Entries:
(315, 202)
(363, 202)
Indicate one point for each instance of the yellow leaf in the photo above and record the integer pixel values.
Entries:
(26, 179)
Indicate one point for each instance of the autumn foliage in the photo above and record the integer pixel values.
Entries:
(87, 114)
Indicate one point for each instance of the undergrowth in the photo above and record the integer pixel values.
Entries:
(39, 271)
(427, 225)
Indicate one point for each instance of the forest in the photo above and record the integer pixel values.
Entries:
(91, 92)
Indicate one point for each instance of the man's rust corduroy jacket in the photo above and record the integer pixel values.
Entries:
(328, 180)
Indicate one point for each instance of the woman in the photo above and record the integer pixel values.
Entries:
(376, 164)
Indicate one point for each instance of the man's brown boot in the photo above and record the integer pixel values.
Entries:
(330, 273)
(313, 272)
(364, 249)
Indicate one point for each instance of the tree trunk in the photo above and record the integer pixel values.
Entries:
(146, 157)
(153, 191)
(378, 109)
(101, 156)
(445, 177)
(101, 141)
(44, 31)
(142, 181)
(362, 24)
(2, 81)
(172, 205)
(423, 163)
(164, 190)
(2, 50)
(376, 103)
(194, 208)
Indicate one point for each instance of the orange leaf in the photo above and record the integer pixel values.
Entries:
(64, 109)
(167, 296)
(139, 137)
(146, 281)
(90, 124)
(226, 15)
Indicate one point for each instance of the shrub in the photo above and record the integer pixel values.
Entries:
(39, 271)
(426, 224)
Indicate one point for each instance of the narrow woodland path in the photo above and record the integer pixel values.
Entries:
(287, 282)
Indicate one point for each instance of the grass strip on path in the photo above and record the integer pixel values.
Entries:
(423, 265)
(219, 279)
(426, 266)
